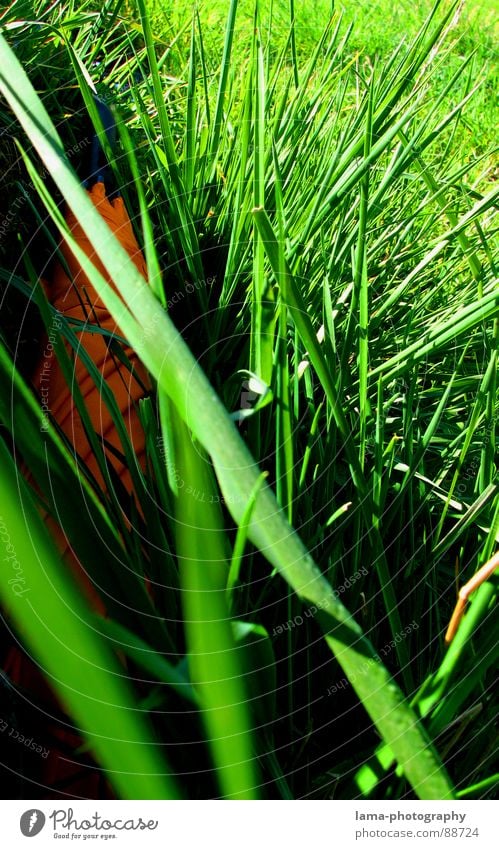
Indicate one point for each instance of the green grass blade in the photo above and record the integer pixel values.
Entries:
(54, 621)
(213, 656)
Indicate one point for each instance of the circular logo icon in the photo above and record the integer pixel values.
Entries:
(32, 822)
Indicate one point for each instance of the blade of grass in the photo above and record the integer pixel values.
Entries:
(85, 673)
(213, 656)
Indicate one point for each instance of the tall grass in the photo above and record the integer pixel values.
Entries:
(353, 298)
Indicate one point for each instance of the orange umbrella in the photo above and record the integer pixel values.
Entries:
(75, 297)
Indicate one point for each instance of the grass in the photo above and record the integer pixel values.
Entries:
(332, 196)
(377, 29)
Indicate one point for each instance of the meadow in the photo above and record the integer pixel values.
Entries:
(315, 194)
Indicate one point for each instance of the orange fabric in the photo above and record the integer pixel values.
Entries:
(78, 299)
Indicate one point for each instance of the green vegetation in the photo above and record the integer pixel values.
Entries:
(377, 30)
(316, 207)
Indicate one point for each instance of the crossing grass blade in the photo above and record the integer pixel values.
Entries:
(214, 658)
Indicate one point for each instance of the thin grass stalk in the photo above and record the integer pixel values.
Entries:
(294, 58)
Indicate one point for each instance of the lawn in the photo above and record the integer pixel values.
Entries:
(316, 204)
